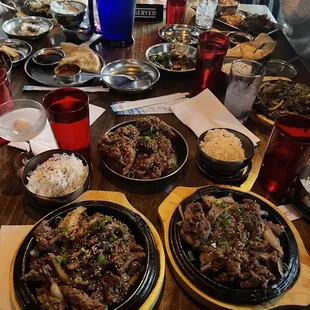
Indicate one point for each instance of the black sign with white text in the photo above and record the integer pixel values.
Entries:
(149, 12)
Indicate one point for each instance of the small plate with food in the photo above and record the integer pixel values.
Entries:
(27, 28)
(232, 248)
(176, 33)
(172, 57)
(37, 8)
(18, 50)
(279, 97)
(253, 24)
(144, 151)
(81, 55)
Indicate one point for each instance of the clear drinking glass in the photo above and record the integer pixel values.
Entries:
(20, 121)
(205, 14)
(244, 81)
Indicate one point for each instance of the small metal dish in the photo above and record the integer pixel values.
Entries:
(51, 203)
(40, 26)
(23, 49)
(68, 73)
(236, 37)
(187, 50)
(278, 67)
(79, 34)
(130, 66)
(63, 17)
(48, 56)
(177, 33)
(222, 9)
(227, 167)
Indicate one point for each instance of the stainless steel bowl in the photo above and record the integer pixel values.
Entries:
(79, 34)
(39, 27)
(68, 73)
(23, 49)
(130, 66)
(43, 53)
(278, 67)
(51, 203)
(222, 9)
(300, 191)
(69, 19)
(227, 167)
(177, 33)
(236, 37)
(6, 64)
(187, 50)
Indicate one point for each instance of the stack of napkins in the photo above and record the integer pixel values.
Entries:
(46, 141)
(204, 112)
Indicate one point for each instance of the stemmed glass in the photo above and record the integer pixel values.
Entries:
(20, 121)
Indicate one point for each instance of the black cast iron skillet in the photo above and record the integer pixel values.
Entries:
(25, 292)
(230, 293)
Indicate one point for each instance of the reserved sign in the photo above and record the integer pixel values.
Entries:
(149, 12)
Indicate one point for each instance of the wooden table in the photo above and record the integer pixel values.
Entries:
(14, 209)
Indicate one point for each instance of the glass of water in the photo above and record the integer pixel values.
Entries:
(244, 81)
(205, 14)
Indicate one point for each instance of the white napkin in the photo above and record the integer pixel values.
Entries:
(204, 112)
(46, 141)
(10, 238)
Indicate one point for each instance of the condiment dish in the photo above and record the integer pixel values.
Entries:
(48, 56)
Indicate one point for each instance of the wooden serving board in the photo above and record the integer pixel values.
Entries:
(297, 295)
(121, 199)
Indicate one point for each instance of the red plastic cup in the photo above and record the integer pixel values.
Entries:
(68, 112)
(175, 11)
(287, 152)
(212, 48)
(5, 95)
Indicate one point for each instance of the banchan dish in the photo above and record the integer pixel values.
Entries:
(23, 293)
(178, 143)
(223, 292)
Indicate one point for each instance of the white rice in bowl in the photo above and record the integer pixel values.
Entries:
(60, 175)
(222, 145)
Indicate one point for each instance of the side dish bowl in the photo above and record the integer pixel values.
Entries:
(300, 191)
(221, 166)
(187, 51)
(51, 203)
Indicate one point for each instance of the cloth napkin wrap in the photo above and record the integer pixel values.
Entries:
(46, 141)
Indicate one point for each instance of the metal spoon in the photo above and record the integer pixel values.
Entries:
(8, 7)
(132, 77)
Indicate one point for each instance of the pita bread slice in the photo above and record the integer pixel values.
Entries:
(234, 52)
(68, 47)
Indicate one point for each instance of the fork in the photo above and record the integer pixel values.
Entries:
(131, 77)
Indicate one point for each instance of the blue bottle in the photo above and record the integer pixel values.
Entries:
(116, 18)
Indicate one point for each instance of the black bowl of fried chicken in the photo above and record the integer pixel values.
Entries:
(233, 246)
(86, 255)
(145, 150)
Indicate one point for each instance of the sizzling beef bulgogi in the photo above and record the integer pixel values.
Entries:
(85, 262)
(232, 240)
(140, 151)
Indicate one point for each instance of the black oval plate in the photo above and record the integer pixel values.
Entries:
(228, 293)
(25, 292)
(179, 144)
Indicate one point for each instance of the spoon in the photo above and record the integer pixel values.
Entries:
(8, 7)
(131, 77)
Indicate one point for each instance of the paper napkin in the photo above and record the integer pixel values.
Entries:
(204, 112)
(46, 141)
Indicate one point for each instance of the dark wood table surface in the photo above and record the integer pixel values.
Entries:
(14, 210)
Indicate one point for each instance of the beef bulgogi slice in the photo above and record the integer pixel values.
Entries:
(44, 235)
(151, 124)
(80, 299)
(48, 301)
(196, 225)
(118, 151)
(275, 228)
(40, 274)
(115, 290)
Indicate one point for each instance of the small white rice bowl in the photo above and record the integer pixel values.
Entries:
(58, 176)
